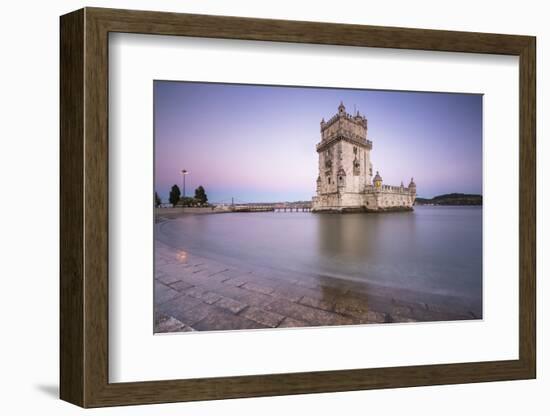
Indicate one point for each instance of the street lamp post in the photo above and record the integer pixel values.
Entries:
(184, 173)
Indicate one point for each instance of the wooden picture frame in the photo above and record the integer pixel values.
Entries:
(84, 207)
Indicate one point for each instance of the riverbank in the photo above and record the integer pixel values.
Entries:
(197, 293)
(163, 214)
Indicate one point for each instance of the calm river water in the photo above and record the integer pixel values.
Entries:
(432, 250)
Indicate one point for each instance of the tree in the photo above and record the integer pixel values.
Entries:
(200, 195)
(174, 195)
(187, 201)
(157, 200)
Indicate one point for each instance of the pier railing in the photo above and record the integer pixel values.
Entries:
(275, 207)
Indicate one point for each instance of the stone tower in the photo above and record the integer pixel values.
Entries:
(345, 167)
(345, 182)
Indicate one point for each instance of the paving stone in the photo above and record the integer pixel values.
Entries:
(237, 281)
(216, 278)
(289, 292)
(351, 305)
(292, 323)
(233, 273)
(424, 315)
(262, 273)
(197, 268)
(306, 282)
(209, 268)
(270, 280)
(166, 278)
(401, 319)
(194, 314)
(452, 311)
(230, 304)
(245, 296)
(165, 256)
(178, 270)
(187, 328)
(373, 317)
(159, 274)
(255, 287)
(317, 303)
(170, 324)
(212, 285)
(202, 294)
(160, 262)
(180, 285)
(332, 293)
(190, 289)
(223, 320)
(317, 292)
(436, 308)
(287, 280)
(196, 279)
(313, 316)
(379, 303)
(214, 268)
(179, 307)
(401, 310)
(163, 293)
(360, 308)
(173, 270)
(262, 316)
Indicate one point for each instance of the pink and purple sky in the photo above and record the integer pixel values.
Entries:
(257, 143)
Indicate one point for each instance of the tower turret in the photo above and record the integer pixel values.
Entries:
(412, 187)
(341, 108)
(377, 181)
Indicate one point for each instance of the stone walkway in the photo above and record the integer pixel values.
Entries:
(197, 294)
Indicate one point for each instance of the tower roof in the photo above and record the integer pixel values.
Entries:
(377, 177)
(412, 183)
(341, 107)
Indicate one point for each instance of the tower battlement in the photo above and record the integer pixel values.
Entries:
(345, 181)
(344, 126)
(356, 119)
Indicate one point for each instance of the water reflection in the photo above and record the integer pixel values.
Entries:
(181, 255)
(356, 247)
(432, 250)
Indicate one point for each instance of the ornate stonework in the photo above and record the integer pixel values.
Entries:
(345, 181)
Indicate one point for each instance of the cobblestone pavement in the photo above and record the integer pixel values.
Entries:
(197, 294)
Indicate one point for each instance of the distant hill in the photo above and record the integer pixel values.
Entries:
(451, 199)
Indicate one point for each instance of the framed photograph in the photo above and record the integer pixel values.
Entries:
(254, 207)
